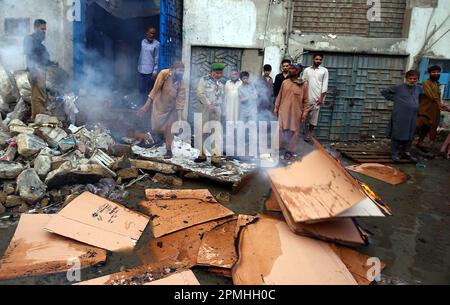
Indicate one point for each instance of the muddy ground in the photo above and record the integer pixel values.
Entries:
(414, 243)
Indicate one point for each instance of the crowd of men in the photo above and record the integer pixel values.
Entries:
(294, 98)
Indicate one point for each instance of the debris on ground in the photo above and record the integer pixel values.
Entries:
(271, 203)
(271, 254)
(99, 222)
(331, 192)
(30, 187)
(180, 246)
(139, 275)
(33, 251)
(174, 210)
(388, 174)
(182, 278)
(233, 172)
(10, 170)
(168, 180)
(378, 152)
(217, 248)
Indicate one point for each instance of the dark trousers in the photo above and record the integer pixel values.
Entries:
(396, 144)
(146, 83)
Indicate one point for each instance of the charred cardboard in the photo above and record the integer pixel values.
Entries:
(139, 275)
(317, 188)
(99, 222)
(33, 251)
(217, 247)
(271, 203)
(174, 210)
(344, 231)
(181, 246)
(388, 174)
(358, 264)
(182, 278)
(270, 253)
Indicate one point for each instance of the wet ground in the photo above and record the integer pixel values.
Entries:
(414, 243)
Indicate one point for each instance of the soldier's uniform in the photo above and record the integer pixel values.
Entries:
(210, 94)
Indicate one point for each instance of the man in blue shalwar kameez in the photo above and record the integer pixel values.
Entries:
(404, 114)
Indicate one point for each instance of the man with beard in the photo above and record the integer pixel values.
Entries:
(231, 104)
(317, 78)
(148, 62)
(210, 92)
(404, 114)
(280, 78)
(430, 108)
(291, 108)
(168, 99)
(38, 60)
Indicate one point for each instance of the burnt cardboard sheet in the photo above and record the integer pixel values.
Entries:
(217, 248)
(183, 278)
(388, 174)
(99, 222)
(270, 253)
(174, 210)
(140, 275)
(345, 231)
(317, 188)
(271, 203)
(181, 246)
(360, 265)
(34, 252)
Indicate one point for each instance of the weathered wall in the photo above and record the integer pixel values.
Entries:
(420, 26)
(59, 30)
(247, 24)
(415, 26)
(348, 17)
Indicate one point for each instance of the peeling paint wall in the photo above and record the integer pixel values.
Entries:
(418, 30)
(246, 24)
(59, 30)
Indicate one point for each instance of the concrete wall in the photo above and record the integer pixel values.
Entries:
(416, 24)
(247, 24)
(59, 30)
(420, 16)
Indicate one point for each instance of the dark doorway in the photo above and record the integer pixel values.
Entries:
(113, 47)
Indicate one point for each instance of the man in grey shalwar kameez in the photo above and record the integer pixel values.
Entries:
(404, 114)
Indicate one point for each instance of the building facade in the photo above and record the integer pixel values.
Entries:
(366, 47)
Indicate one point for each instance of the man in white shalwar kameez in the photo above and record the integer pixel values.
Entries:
(231, 105)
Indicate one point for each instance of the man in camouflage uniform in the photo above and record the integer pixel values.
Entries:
(210, 93)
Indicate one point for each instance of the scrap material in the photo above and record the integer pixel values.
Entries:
(368, 153)
(217, 248)
(35, 252)
(391, 175)
(233, 172)
(99, 222)
(174, 210)
(344, 231)
(358, 264)
(270, 253)
(181, 246)
(140, 275)
(331, 192)
(271, 203)
(183, 278)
